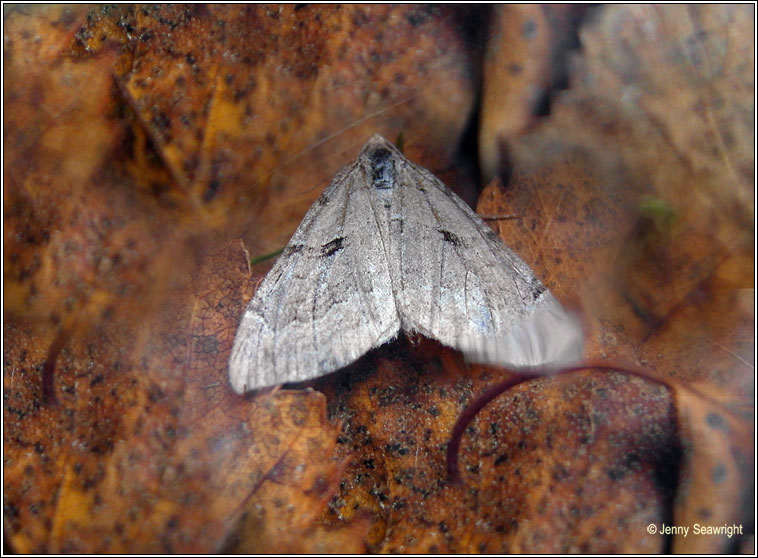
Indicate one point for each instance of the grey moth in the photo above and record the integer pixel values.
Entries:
(389, 248)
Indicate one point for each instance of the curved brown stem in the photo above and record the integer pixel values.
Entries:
(522, 375)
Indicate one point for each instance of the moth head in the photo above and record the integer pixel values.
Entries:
(379, 157)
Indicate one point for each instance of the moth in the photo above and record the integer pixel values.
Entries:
(389, 248)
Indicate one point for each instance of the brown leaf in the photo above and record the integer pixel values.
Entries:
(162, 456)
(575, 465)
(53, 102)
(524, 66)
(552, 467)
(284, 516)
(718, 464)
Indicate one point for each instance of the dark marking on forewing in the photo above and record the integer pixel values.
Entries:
(539, 288)
(293, 249)
(382, 169)
(489, 234)
(323, 199)
(332, 247)
(453, 239)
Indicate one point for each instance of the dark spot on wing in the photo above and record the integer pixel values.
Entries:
(447, 236)
(293, 249)
(322, 200)
(489, 234)
(331, 248)
(539, 288)
(382, 169)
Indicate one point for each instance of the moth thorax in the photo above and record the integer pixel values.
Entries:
(382, 169)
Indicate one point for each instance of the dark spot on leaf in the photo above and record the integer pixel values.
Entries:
(155, 393)
(529, 29)
(719, 473)
(560, 473)
(11, 511)
(161, 121)
(502, 458)
(320, 485)
(715, 420)
(416, 17)
(391, 448)
(210, 192)
(207, 344)
(381, 496)
(616, 473)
